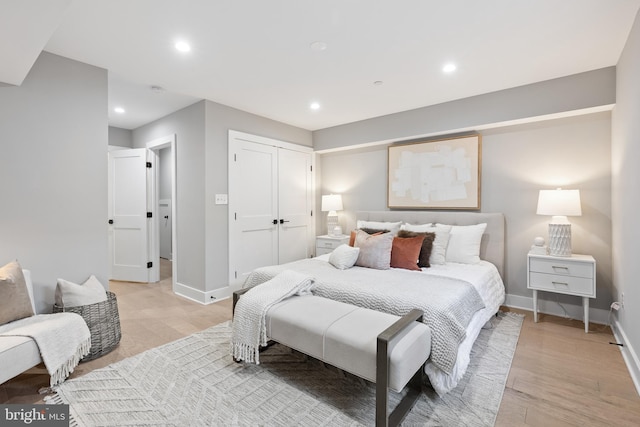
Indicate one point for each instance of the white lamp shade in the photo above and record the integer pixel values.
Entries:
(559, 203)
(332, 202)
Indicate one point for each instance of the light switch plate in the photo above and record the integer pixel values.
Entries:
(222, 199)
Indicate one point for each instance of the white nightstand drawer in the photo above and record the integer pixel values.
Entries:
(561, 267)
(328, 244)
(562, 284)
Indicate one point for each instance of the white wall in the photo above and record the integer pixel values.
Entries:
(53, 178)
(626, 198)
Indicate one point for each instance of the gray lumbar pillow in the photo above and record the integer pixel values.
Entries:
(69, 294)
(15, 303)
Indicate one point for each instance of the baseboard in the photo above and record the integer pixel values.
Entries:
(202, 297)
(629, 354)
(596, 315)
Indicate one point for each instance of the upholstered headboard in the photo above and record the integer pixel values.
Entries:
(492, 245)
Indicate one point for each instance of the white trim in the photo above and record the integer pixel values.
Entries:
(169, 141)
(234, 134)
(596, 315)
(202, 297)
(629, 354)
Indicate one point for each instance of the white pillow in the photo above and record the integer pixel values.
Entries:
(344, 256)
(69, 294)
(464, 243)
(417, 228)
(439, 250)
(393, 227)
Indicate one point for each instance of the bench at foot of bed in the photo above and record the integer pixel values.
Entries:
(386, 349)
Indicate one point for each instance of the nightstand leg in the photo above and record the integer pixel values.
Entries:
(535, 306)
(585, 307)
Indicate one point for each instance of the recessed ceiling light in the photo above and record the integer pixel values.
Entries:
(449, 68)
(378, 83)
(318, 46)
(183, 46)
(119, 110)
(314, 106)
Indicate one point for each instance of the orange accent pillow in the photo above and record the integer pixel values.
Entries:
(405, 252)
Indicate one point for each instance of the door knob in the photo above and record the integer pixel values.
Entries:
(110, 221)
(282, 221)
(275, 221)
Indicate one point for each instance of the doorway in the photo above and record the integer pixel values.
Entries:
(163, 239)
(138, 179)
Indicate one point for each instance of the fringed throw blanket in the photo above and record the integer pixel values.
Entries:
(249, 330)
(63, 339)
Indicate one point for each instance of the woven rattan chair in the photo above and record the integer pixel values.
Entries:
(103, 321)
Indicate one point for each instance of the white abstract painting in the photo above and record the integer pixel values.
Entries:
(437, 174)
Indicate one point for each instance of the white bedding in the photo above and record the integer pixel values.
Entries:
(484, 277)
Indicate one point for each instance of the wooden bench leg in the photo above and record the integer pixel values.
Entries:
(414, 386)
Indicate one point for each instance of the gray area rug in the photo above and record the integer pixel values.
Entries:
(194, 382)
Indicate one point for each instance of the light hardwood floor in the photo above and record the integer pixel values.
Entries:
(560, 376)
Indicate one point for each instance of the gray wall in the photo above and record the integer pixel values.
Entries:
(202, 146)
(189, 127)
(625, 192)
(220, 119)
(53, 179)
(579, 91)
(120, 137)
(517, 161)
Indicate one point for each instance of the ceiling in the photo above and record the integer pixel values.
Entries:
(257, 55)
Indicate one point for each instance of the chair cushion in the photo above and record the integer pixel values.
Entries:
(15, 303)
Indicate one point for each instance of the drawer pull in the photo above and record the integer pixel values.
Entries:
(560, 283)
(560, 267)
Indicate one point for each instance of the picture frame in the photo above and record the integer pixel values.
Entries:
(436, 174)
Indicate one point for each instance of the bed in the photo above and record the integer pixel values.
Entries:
(458, 299)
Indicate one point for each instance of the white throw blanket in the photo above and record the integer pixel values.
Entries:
(63, 339)
(249, 330)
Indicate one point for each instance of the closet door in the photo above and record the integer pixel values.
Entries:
(270, 204)
(253, 203)
(294, 205)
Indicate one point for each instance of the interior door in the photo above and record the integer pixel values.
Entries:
(294, 205)
(253, 208)
(128, 223)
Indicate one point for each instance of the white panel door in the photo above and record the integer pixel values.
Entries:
(253, 208)
(294, 205)
(128, 222)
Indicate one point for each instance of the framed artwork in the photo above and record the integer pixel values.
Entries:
(439, 174)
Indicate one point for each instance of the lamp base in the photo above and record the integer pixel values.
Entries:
(560, 240)
(332, 223)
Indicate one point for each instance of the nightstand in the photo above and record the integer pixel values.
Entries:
(574, 275)
(326, 244)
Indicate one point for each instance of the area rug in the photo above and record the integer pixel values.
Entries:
(194, 382)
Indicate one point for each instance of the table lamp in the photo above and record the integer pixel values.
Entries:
(332, 203)
(559, 204)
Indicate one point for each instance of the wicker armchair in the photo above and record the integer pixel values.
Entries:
(103, 321)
